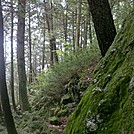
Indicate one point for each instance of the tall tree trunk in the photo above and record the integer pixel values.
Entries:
(53, 45)
(49, 20)
(90, 30)
(81, 36)
(103, 23)
(50, 28)
(43, 53)
(20, 56)
(12, 65)
(3, 87)
(30, 44)
(73, 30)
(78, 24)
(65, 25)
(43, 47)
(85, 32)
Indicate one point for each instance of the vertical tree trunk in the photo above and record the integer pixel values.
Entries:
(53, 44)
(85, 32)
(73, 31)
(81, 36)
(30, 44)
(90, 30)
(43, 47)
(65, 25)
(12, 65)
(43, 53)
(103, 23)
(49, 20)
(50, 28)
(3, 87)
(78, 24)
(20, 56)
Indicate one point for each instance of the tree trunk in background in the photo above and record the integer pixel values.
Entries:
(12, 65)
(20, 56)
(65, 25)
(73, 30)
(85, 31)
(103, 23)
(81, 36)
(49, 20)
(78, 24)
(30, 44)
(90, 30)
(3, 87)
(43, 47)
(53, 45)
(43, 52)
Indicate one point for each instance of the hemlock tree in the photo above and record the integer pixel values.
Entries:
(49, 19)
(24, 104)
(78, 17)
(3, 87)
(103, 23)
(30, 45)
(12, 64)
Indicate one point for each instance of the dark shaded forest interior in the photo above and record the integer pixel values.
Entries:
(66, 67)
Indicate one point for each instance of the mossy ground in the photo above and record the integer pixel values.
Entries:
(108, 106)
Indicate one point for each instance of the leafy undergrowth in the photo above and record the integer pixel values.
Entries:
(56, 93)
(2, 125)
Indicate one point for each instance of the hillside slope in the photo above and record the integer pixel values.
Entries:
(108, 106)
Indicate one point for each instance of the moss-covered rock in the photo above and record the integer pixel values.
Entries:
(108, 105)
(72, 89)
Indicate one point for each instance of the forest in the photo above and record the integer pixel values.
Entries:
(66, 67)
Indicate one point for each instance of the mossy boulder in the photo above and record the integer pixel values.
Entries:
(108, 105)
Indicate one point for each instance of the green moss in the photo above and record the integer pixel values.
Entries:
(108, 107)
(54, 120)
(66, 99)
(62, 112)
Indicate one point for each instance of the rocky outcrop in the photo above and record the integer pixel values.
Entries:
(108, 105)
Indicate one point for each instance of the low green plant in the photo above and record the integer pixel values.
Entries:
(48, 88)
(53, 81)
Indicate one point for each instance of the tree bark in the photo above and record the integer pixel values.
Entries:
(12, 64)
(30, 44)
(3, 87)
(103, 23)
(44, 45)
(20, 56)
(43, 53)
(85, 31)
(53, 47)
(73, 30)
(65, 25)
(78, 24)
(49, 20)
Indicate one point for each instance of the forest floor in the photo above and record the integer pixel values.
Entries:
(87, 77)
(58, 128)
